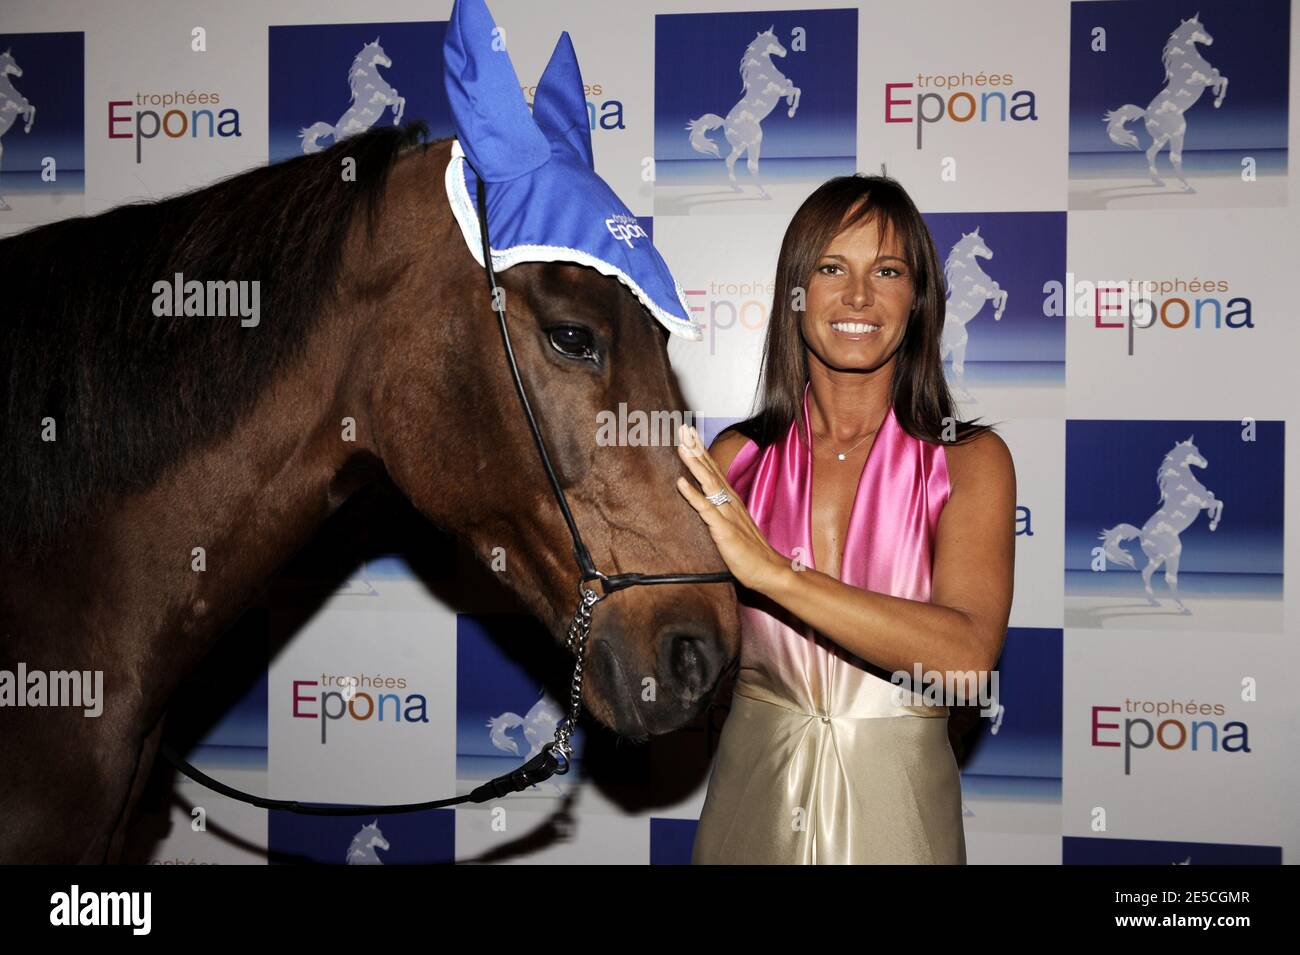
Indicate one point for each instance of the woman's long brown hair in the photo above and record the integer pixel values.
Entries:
(922, 403)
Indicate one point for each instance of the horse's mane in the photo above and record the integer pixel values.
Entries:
(1168, 462)
(955, 255)
(1174, 39)
(131, 393)
(746, 67)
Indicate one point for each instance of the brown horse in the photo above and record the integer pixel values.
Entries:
(131, 439)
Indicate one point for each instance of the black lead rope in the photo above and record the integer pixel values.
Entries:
(556, 756)
(540, 767)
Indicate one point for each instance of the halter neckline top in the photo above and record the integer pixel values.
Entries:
(888, 548)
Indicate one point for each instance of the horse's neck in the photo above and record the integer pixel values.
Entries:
(135, 599)
(255, 497)
(132, 601)
(964, 267)
(1191, 53)
(762, 65)
(1174, 475)
(1187, 54)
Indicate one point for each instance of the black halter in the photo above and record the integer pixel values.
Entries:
(555, 755)
(580, 553)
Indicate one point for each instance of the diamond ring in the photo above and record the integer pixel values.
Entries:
(719, 498)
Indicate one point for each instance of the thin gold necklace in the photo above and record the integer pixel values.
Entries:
(842, 455)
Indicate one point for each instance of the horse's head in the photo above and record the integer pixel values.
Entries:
(972, 244)
(375, 836)
(1186, 454)
(372, 54)
(8, 65)
(452, 431)
(766, 43)
(1192, 31)
(453, 436)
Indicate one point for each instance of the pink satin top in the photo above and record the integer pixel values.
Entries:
(888, 549)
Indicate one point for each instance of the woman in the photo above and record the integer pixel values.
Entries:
(882, 540)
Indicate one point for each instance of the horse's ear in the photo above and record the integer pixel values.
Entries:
(560, 104)
(492, 120)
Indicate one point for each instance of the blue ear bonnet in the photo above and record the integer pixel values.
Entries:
(545, 202)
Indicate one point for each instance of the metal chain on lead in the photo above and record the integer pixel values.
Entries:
(579, 632)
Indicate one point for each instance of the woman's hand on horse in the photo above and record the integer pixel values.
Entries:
(748, 555)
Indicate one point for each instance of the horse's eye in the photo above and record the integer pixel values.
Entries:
(573, 341)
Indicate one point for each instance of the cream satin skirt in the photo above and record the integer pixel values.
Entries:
(794, 787)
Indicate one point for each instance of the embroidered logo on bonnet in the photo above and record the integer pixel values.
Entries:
(545, 202)
(625, 228)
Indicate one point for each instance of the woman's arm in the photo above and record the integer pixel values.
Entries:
(964, 625)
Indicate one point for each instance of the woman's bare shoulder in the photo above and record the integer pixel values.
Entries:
(984, 462)
(726, 446)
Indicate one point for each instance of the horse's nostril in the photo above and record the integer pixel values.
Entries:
(692, 660)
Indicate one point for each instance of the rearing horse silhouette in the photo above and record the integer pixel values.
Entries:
(1182, 498)
(1187, 74)
(764, 87)
(12, 105)
(969, 287)
(371, 96)
(181, 432)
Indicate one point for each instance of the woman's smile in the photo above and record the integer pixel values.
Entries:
(854, 331)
